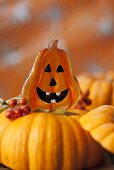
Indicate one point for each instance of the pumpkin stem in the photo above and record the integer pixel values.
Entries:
(53, 44)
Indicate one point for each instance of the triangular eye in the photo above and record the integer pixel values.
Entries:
(48, 68)
(60, 69)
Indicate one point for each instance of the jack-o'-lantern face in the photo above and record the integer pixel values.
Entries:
(53, 93)
(51, 84)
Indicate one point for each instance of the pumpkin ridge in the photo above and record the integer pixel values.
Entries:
(61, 132)
(73, 122)
(52, 106)
(87, 163)
(107, 110)
(11, 129)
(90, 160)
(41, 71)
(29, 81)
(90, 87)
(66, 77)
(112, 97)
(96, 83)
(68, 80)
(91, 79)
(32, 119)
(68, 154)
(91, 83)
(58, 142)
(32, 161)
(47, 117)
(110, 139)
(89, 127)
(110, 129)
(102, 87)
(111, 94)
(2, 116)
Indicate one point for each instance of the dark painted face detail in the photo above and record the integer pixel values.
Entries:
(48, 68)
(60, 69)
(53, 82)
(52, 97)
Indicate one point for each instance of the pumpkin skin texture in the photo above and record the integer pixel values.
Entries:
(100, 86)
(51, 73)
(47, 141)
(100, 123)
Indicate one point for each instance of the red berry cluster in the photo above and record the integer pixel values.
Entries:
(18, 108)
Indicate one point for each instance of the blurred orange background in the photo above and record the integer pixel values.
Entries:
(85, 30)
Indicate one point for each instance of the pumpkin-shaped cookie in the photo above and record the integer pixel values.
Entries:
(47, 141)
(51, 84)
(100, 123)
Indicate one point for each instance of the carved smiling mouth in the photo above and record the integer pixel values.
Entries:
(51, 97)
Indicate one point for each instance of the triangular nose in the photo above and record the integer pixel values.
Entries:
(52, 82)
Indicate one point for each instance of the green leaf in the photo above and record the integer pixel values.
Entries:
(59, 111)
(2, 109)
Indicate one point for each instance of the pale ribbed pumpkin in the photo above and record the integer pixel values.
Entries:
(51, 83)
(100, 86)
(100, 123)
(47, 141)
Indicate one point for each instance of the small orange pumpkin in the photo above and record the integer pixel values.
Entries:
(100, 123)
(51, 84)
(47, 141)
(100, 86)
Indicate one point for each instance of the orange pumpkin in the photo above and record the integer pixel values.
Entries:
(51, 84)
(100, 86)
(47, 141)
(100, 123)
